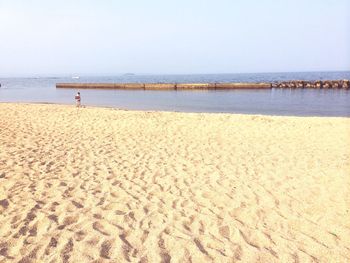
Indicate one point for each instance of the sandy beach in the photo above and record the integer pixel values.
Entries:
(107, 185)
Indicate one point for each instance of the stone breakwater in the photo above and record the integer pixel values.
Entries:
(324, 84)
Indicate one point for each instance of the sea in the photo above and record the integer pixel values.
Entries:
(283, 102)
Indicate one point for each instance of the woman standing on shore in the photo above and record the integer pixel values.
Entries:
(78, 99)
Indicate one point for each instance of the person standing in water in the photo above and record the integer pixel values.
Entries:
(78, 99)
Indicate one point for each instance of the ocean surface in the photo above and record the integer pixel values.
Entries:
(296, 102)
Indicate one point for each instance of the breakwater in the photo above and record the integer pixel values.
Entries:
(324, 84)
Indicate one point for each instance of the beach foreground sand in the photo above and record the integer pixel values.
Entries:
(107, 185)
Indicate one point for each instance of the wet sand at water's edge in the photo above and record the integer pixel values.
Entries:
(107, 185)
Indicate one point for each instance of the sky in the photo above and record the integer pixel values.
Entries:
(85, 37)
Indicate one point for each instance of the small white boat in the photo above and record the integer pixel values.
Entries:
(75, 77)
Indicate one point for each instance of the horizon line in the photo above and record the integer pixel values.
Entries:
(159, 74)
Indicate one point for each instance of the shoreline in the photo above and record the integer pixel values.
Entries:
(171, 111)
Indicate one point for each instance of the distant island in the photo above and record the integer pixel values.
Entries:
(129, 74)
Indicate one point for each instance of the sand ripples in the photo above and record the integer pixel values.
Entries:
(111, 186)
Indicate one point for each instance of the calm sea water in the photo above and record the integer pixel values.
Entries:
(299, 102)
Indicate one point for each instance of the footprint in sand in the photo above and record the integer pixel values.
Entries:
(106, 248)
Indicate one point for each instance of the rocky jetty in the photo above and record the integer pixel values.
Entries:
(292, 84)
(324, 84)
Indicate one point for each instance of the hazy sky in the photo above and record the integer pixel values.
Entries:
(172, 36)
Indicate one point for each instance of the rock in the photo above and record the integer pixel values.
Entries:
(310, 85)
(300, 84)
(291, 85)
(335, 84)
(345, 84)
(327, 85)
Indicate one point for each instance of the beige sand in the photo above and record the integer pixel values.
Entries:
(114, 186)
